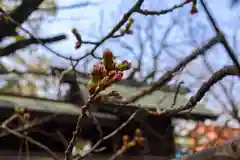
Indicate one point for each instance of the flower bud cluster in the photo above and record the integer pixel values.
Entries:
(106, 72)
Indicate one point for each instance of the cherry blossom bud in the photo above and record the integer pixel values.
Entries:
(193, 10)
(141, 141)
(125, 140)
(108, 60)
(124, 65)
(119, 76)
(78, 37)
(138, 132)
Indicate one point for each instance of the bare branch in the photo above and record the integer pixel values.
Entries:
(83, 113)
(17, 134)
(43, 44)
(176, 93)
(230, 99)
(224, 42)
(68, 7)
(51, 153)
(26, 42)
(112, 133)
(147, 12)
(20, 14)
(216, 77)
(124, 19)
(170, 74)
(30, 125)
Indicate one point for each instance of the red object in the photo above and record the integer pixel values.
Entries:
(107, 52)
(215, 135)
(119, 75)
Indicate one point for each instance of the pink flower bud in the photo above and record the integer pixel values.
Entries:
(78, 45)
(119, 75)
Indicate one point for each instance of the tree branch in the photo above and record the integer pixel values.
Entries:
(170, 74)
(114, 132)
(165, 11)
(223, 41)
(26, 42)
(51, 153)
(69, 7)
(216, 77)
(20, 14)
(30, 125)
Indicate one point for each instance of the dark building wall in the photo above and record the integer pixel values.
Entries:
(159, 134)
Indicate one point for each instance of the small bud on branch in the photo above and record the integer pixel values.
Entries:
(78, 37)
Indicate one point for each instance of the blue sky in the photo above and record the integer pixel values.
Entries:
(88, 23)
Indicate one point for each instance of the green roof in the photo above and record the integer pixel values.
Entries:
(44, 106)
(158, 99)
(39, 105)
(151, 101)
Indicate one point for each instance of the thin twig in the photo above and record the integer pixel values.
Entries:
(41, 42)
(26, 42)
(124, 19)
(176, 94)
(216, 77)
(165, 11)
(111, 134)
(223, 41)
(98, 126)
(62, 138)
(51, 153)
(29, 125)
(68, 152)
(166, 77)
